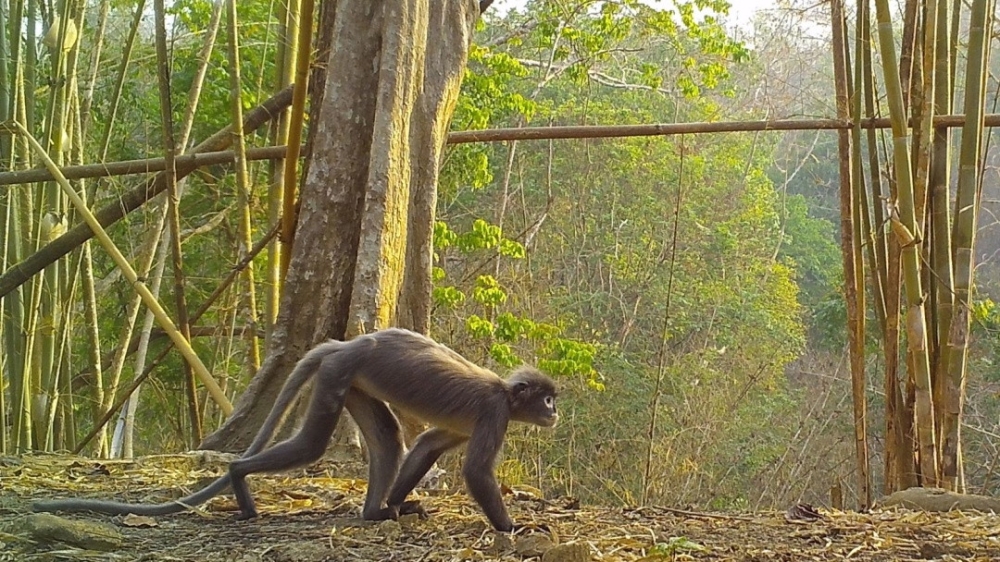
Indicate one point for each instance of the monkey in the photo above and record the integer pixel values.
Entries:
(461, 401)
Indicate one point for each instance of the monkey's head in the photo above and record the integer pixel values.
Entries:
(532, 397)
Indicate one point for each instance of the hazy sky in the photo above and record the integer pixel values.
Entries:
(740, 10)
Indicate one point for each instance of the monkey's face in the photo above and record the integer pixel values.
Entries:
(534, 404)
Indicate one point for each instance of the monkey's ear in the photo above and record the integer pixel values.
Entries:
(519, 387)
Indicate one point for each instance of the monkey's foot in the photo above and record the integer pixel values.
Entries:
(247, 514)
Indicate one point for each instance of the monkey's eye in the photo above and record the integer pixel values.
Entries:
(550, 402)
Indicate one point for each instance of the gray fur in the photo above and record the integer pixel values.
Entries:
(464, 402)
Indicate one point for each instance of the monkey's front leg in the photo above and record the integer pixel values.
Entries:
(480, 462)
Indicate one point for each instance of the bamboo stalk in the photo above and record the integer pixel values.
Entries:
(967, 202)
(285, 57)
(13, 320)
(289, 213)
(173, 216)
(668, 129)
(7, 80)
(147, 165)
(853, 300)
(904, 225)
(242, 178)
(161, 316)
(940, 220)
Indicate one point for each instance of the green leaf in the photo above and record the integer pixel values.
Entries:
(478, 327)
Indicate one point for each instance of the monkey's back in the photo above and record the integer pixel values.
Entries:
(450, 391)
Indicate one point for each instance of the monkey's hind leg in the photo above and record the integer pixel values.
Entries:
(303, 448)
(384, 438)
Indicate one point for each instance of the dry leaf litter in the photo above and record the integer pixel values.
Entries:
(311, 515)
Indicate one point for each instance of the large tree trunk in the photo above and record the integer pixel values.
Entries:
(394, 73)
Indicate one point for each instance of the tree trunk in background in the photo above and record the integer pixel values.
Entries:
(346, 270)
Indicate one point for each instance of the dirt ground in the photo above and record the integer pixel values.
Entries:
(311, 516)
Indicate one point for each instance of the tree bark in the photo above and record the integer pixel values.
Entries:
(393, 75)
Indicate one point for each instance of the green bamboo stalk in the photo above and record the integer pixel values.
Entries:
(904, 225)
(967, 202)
(52, 219)
(161, 316)
(10, 316)
(12, 363)
(22, 317)
(15, 70)
(6, 82)
(242, 180)
(940, 200)
(78, 272)
(31, 63)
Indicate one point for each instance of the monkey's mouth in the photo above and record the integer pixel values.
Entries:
(552, 420)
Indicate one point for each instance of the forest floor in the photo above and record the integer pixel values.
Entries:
(310, 516)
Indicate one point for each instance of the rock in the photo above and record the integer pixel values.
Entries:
(409, 519)
(570, 552)
(46, 528)
(390, 529)
(937, 499)
(501, 543)
(533, 545)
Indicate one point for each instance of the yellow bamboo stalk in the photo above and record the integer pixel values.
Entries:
(242, 179)
(162, 318)
(289, 217)
(285, 56)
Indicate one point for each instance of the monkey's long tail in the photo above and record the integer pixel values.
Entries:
(302, 372)
(120, 508)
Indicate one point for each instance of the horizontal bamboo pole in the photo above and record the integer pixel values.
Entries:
(149, 165)
(144, 166)
(665, 129)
